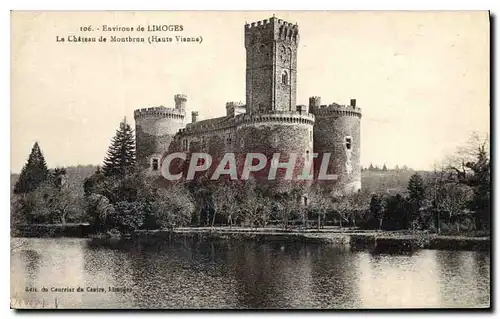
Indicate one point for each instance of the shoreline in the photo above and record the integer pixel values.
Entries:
(353, 238)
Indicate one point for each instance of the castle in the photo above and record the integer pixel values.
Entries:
(269, 122)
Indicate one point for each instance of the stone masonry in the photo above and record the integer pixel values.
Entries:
(269, 122)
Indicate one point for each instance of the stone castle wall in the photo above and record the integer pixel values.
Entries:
(337, 131)
(270, 121)
(155, 128)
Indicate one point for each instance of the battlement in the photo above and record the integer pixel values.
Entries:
(266, 23)
(276, 117)
(180, 101)
(159, 112)
(336, 109)
(234, 104)
(180, 97)
(271, 29)
(207, 126)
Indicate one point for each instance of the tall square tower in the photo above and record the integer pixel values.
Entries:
(271, 68)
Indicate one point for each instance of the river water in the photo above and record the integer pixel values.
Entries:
(239, 275)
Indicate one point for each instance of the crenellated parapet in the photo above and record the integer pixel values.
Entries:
(336, 109)
(280, 29)
(273, 117)
(180, 101)
(159, 112)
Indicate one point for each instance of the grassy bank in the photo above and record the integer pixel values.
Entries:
(356, 239)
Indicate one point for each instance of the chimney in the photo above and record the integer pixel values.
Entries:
(194, 116)
(353, 102)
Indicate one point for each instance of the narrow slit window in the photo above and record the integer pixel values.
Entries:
(155, 164)
(307, 155)
(284, 77)
(348, 142)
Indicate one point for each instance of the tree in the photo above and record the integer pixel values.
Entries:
(288, 203)
(472, 167)
(34, 172)
(384, 168)
(98, 210)
(396, 212)
(453, 199)
(416, 188)
(320, 203)
(254, 207)
(377, 209)
(224, 198)
(173, 206)
(120, 159)
(342, 206)
(359, 205)
(59, 177)
(371, 168)
(129, 216)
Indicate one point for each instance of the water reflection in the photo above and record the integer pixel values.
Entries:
(219, 274)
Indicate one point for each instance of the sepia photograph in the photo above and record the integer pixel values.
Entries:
(250, 160)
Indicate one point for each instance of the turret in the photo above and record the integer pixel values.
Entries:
(180, 101)
(314, 103)
(194, 116)
(235, 108)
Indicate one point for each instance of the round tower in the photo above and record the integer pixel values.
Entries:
(285, 134)
(180, 101)
(337, 131)
(314, 103)
(154, 131)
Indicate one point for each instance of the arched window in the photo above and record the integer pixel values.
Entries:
(284, 77)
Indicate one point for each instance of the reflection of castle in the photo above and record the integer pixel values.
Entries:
(270, 121)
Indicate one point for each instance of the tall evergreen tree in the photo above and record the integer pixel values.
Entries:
(416, 188)
(120, 158)
(384, 168)
(34, 172)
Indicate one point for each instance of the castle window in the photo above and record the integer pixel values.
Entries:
(307, 155)
(155, 164)
(228, 141)
(242, 142)
(348, 142)
(311, 135)
(284, 77)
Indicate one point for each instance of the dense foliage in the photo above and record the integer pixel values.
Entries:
(453, 199)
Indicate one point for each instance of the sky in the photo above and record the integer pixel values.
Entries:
(420, 78)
